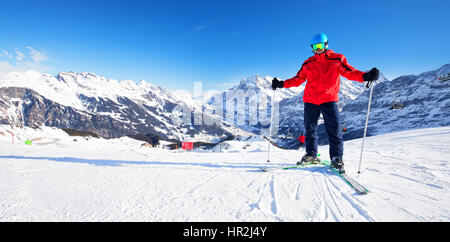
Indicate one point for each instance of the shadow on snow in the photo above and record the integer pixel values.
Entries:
(116, 163)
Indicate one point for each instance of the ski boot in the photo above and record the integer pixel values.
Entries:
(338, 164)
(308, 159)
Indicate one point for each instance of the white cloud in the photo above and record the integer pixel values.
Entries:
(182, 94)
(6, 67)
(20, 56)
(6, 54)
(226, 84)
(37, 56)
(24, 62)
(210, 93)
(199, 27)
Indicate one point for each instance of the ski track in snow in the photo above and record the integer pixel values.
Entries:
(407, 174)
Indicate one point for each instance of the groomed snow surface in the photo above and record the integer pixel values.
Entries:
(59, 179)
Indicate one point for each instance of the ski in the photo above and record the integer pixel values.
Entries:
(350, 181)
(269, 169)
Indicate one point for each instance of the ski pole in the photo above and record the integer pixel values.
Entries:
(369, 84)
(271, 121)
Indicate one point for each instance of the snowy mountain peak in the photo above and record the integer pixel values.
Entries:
(145, 85)
(129, 84)
(82, 77)
(88, 75)
(443, 70)
(256, 81)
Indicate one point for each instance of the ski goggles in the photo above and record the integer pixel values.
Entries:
(319, 46)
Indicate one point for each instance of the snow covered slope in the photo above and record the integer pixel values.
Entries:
(407, 173)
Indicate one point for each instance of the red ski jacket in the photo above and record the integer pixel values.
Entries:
(323, 74)
(302, 139)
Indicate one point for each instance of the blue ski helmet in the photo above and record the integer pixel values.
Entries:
(319, 38)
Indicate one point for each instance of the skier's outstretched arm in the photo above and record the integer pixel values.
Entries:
(350, 72)
(296, 81)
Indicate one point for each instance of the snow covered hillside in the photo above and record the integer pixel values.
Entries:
(59, 179)
(407, 102)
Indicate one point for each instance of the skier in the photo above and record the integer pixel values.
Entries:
(301, 138)
(322, 75)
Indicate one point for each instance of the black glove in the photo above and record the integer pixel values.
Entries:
(277, 83)
(371, 75)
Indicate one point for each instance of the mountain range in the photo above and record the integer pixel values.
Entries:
(407, 102)
(111, 109)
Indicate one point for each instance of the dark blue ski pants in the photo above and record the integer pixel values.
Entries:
(330, 113)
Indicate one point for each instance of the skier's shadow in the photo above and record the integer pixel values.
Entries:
(117, 163)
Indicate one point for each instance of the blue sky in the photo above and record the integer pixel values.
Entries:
(175, 43)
